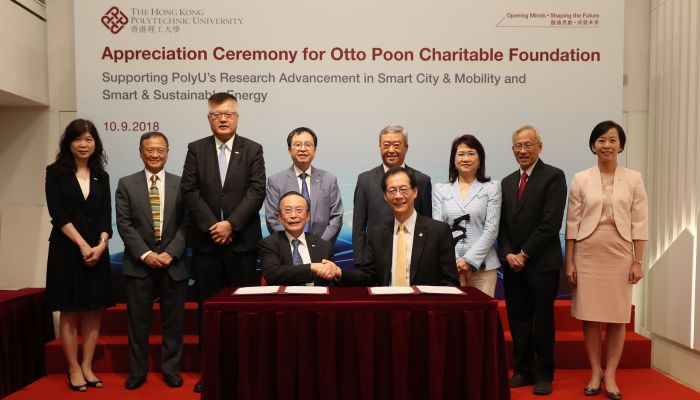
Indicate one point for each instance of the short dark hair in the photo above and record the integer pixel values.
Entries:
(218, 98)
(398, 170)
(603, 128)
(149, 135)
(75, 129)
(293, 193)
(473, 143)
(298, 131)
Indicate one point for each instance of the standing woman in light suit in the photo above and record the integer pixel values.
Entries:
(471, 204)
(606, 227)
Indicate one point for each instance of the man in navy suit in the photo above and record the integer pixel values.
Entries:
(409, 248)
(152, 224)
(293, 257)
(532, 211)
(319, 187)
(369, 208)
(223, 185)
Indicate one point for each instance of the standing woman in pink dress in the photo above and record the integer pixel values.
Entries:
(606, 228)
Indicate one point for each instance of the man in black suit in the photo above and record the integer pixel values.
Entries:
(408, 249)
(223, 185)
(369, 208)
(152, 224)
(534, 198)
(292, 257)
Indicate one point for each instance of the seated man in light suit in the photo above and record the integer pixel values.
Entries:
(293, 257)
(409, 249)
(320, 188)
(152, 224)
(369, 208)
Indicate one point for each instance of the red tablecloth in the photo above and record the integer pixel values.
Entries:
(25, 326)
(353, 345)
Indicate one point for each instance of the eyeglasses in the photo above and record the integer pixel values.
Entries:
(151, 151)
(290, 210)
(469, 155)
(404, 190)
(299, 145)
(526, 146)
(218, 115)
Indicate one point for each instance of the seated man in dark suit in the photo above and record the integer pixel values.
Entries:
(292, 257)
(409, 249)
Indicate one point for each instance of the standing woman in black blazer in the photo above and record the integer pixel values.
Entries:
(78, 268)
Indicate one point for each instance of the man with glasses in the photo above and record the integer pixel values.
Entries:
(292, 256)
(223, 185)
(152, 224)
(408, 249)
(532, 211)
(369, 208)
(319, 188)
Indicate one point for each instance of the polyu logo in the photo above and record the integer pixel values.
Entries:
(114, 20)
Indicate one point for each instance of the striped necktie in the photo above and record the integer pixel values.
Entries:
(154, 197)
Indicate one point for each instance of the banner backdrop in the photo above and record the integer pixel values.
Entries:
(346, 70)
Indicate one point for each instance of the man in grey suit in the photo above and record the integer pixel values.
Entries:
(369, 207)
(152, 224)
(320, 188)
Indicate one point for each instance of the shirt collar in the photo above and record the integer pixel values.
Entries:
(229, 143)
(160, 174)
(387, 168)
(529, 170)
(302, 238)
(297, 171)
(410, 223)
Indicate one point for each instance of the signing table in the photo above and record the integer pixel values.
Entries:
(353, 345)
(25, 326)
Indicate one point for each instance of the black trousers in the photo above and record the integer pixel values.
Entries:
(140, 294)
(219, 269)
(530, 306)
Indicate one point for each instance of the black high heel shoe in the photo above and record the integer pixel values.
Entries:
(612, 395)
(593, 391)
(94, 384)
(77, 388)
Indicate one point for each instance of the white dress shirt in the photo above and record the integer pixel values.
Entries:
(229, 146)
(303, 248)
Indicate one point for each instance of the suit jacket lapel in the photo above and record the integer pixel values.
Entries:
(171, 189)
(531, 180)
(314, 250)
(315, 190)
(387, 253)
(143, 196)
(285, 249)
(457, 195)
(473, 191)
(419, 238)
(235, 158)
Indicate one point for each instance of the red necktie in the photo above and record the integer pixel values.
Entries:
(521, 188)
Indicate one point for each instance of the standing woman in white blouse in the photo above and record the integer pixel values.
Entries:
(606, 228)
(471, 204)
(78, 273)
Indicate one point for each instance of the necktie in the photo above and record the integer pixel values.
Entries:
(521, 188)
(305, 193)
(223, 164)
(399, 273)
(296, 257)
(154, 199)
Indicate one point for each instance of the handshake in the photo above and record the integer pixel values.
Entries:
(326, 270)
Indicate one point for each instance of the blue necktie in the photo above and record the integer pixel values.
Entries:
(305, 193)
(296, 257)
(223, 164)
